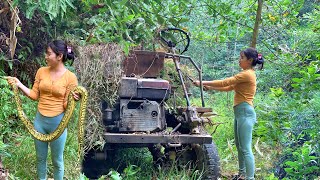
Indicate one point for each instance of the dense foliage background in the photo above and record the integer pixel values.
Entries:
(288, 97)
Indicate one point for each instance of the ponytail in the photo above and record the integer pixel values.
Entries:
(258, 60)
(252, 53)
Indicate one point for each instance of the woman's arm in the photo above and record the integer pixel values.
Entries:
(231, 81)
(31, 93)
(214, 83)
(221, 83)
(13, 81)
(227, 88)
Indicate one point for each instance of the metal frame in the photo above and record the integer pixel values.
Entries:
(157, 138)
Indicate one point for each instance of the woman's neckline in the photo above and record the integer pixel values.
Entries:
(58, 78)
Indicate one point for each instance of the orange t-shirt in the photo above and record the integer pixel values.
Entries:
(52, 95)
(243, 84)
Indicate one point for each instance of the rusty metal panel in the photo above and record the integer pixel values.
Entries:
(154, 94)
(157, 138)
(198, 109)
(128, 87)
(153, 83)
(155, 89)
(141, 115)
(144, 63)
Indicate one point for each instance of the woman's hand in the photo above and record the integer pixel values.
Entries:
(13, 81)
(196, 83)
(206, 88)
(76, 96)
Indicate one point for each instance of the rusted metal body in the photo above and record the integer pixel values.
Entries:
(142, 88)
(141, 116)
(141, 105)
(144, 64)
(157, 138)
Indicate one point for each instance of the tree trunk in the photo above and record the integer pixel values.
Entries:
(256, 24)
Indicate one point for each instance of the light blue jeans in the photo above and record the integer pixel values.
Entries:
(245, 118)
(47, 125)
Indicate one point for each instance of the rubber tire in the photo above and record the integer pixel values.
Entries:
(157, 156)
(208, 161)
(93, 168)
(204, 158)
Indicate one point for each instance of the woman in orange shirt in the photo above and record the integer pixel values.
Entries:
(51, 88)
(244, 86)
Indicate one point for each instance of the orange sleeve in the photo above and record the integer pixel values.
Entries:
(34, 92)
(238, 78)
(226, 88)
(73, 82)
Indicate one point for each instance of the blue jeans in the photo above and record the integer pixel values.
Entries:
(47, 125)
(245, 118)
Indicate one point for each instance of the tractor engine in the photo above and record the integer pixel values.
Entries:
(139, 107)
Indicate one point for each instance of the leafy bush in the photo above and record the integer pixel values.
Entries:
(290, 118)
(7, 108)
(303, 165)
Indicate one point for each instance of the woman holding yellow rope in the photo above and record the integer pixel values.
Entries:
(51, 88)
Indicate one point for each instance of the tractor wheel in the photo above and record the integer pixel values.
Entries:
(157, 155)
(203, 157)
(94, 165)
(209, 161)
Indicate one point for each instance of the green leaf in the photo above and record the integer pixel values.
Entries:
(291, 163)
(160, 19)
(312, 70)
(131, 170)
(173, 21)
(123, 2)
(295, 85)
(63, 6)
(129, 18)
(158, 2)
(114, 175)
(313, 157)
(70, 4)
(298, 80)
(289, 170)
(30, 11)
(10, 64)
(286, 2)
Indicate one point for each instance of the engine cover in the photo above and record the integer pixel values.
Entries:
(141, 88)
(141, 115)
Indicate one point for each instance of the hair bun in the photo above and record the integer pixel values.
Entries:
(260, 59)
(69, 50)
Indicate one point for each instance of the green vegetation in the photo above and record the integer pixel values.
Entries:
(286, 137)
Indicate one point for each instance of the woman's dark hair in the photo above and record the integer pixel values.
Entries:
(61, 47)
(252, 53)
